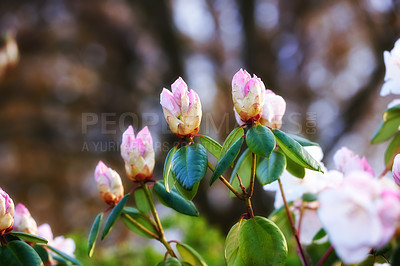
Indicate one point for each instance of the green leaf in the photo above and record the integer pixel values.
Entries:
(170, 262)
(309, 197)
(141, 200)
(232, 255)
(19, 253)
(169, 178)
(243, 169)
(391, 113)
(320, 234)
(189, 165)
(137, 216)
(93, 233)
(174, 200)
(392, 149)
(280, 218)
(261, 242)
(386, 130)
(270, 169)
(294, 168)
(42, 252)
(190, 255)
(302, 141)
(187, 194)
(211, 146)
(230, 140)
(295, 151)
(112, 218)
(64, 255)
(260, 140)
(226, 160)
(29, 237)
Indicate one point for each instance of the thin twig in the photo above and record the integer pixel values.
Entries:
(241, 185)
(226, 183)
(289, 215)
(325, 256)
(147, 231)
(252, 174)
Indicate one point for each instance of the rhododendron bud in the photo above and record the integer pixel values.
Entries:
(109, 184)
(248, 96)
(392, 76)
(396, 169)
(346, 161)
(138, 154)
(6, 211)
(182, 109)
(273, 110)
(23, 220)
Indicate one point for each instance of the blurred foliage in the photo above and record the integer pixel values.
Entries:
(196, 232)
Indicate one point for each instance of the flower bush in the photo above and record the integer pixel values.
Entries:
(348, 214)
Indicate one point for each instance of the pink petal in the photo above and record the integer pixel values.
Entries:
(396, 169)
(145, 136)
(179, 88)
(240, 79)
(168, 102)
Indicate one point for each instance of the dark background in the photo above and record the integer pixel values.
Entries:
(87, 69)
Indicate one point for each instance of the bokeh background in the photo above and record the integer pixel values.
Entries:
(88, 69)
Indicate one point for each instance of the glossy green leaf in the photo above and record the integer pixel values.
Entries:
(64, 255)
(211, 146)
(260, 140)
(261, 242)
(93, 233)
(174, 200)
(42, 252)
(386, 130)
(112, 218)
(270, 169)
(294, 168)
(226, 160)
(230, 140)
(30, 237)
(391, 113)
(136, 215)
(295, 151)
(19, 253)
(170, 262)
(142, 204)
(302, 141)
(232, 255)
(190, 255)
(187, 194)
(189, 165)
(392, 149)
(243, 169)
(169, 178)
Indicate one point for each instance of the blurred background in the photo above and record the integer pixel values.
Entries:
(88, 69)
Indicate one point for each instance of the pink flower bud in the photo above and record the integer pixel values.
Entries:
(109, 184)
(273, 110)
(396, 169)
(346, 161)
(138, 154)
(182, 109)
(23, 221)
(248, 96)
(6, 212)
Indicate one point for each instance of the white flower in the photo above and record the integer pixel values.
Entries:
(392, 76)
(355, 215)
(66, 245)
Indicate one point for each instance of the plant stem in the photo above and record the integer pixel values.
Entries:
(226, 183)
(390, 163)
(249, 208)
(252, 175)
(160, 230)
(289, 215)
(147, 231)
(325, 256)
